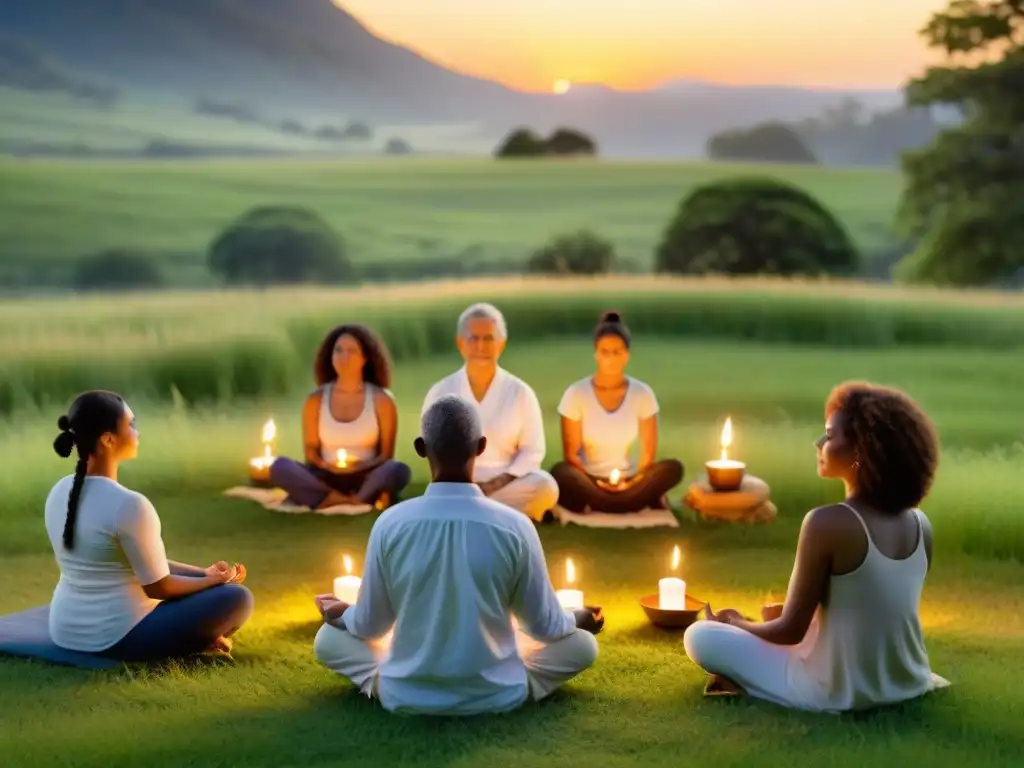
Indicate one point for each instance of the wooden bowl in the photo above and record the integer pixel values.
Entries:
(728, 478)
(670, 619)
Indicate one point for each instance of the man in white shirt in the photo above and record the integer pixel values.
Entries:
(509, 470)
(447, 576)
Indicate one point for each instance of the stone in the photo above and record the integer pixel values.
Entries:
(750, 503)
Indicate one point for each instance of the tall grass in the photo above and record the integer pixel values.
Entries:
(243, 346)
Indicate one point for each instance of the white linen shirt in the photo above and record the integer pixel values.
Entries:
(447, 572)
(511, 418)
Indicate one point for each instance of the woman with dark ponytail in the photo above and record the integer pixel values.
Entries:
(118, 594)
(602, 417)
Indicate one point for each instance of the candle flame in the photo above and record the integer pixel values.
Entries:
(347, 561)
(676, 556)
(342, 457)
(269, 431)
(614, 477)
(570, 571)
(726, 438)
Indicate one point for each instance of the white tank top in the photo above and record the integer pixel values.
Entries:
(865, 647)
(360, 438)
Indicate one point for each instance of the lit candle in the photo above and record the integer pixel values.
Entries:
(342, 458)
(346, 588)
(260, 465)
(614, 477)
(672, 590)
(570, 598)
(725, 473)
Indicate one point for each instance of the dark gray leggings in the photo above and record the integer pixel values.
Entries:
(578, 490)
(308, 486)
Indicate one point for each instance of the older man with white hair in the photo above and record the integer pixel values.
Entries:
(447, 575)
(509, 470)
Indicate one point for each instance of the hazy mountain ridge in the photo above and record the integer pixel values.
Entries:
(295, 58)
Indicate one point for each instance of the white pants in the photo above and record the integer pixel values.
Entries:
(548, 666)
(533, 494)
(757, 666)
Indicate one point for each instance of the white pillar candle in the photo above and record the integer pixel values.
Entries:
(346, 588)
(672, 594)
(570, 599)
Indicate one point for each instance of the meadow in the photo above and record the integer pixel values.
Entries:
(409, 217)
(764, 352)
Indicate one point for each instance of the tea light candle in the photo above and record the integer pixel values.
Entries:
(725, 474)
(342, 458)
(672, 590)
(570, 598)
(614, 477)
(259, 466)
(346, 588)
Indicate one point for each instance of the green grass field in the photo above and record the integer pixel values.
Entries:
(765, 353)
(412, 211)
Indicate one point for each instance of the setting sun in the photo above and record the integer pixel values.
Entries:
(561, 87)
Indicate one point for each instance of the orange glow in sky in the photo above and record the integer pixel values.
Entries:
(531, 44)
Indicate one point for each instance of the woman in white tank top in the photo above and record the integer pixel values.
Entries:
(349, 428)
(848, 636)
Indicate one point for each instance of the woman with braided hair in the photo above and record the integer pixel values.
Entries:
(118, 594)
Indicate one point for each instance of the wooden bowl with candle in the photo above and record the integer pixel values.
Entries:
(668, 618)
(725, 474)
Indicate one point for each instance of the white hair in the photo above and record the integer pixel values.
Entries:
(485, 311)
(451, 427)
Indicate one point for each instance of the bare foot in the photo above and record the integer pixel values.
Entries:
(722, 686)
(334, 499)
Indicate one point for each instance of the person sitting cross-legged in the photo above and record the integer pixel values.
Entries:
(509, 470)
(848, 636)
(118, 595)
(603, 416)
(447, 576)
(352, 411)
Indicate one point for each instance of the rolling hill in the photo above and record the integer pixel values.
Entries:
(308, 60)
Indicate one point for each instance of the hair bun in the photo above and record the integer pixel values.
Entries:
(64, 444)
(64, 424)
(611, 316)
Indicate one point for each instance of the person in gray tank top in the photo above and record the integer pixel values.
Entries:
(848, 636)
(349, 428)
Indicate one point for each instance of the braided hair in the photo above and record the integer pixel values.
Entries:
(91, 415)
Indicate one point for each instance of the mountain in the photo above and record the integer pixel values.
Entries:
(294, 61)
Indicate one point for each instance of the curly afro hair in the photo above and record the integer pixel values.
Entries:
(377, 369)
(894, 441)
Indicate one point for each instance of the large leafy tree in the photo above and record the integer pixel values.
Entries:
(964, 195)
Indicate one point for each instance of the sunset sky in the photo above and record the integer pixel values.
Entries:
(639, 43)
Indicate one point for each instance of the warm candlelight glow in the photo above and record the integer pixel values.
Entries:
(613, 478)
(726, 438)
(672, 590)
(260, 465)
(269, 431)
(342, 457)
(570, 598)
(346, 588)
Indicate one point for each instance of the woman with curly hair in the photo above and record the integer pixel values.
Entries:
(848, 636)
(349, 426)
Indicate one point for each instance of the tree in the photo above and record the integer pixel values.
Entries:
(964, 196)
(754, 225)
(767, 142)
(279, 245)
(522, 142)
(579, 253)
(569, 142)
(117, 269)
